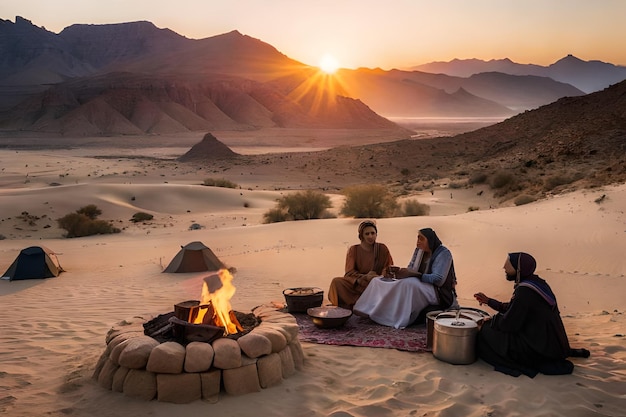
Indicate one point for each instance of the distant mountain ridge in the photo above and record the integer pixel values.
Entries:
(588, 76)
(134, 78)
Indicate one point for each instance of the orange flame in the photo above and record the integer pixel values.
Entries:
(217, 290)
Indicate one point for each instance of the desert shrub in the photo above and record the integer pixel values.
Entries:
(554, 181)
(301, 205)
(455, 185)
(414, 208)
(305, 205)
(219, 182)
(2, 237)
(84, 223)
(91, 211)
(473, 208)
(141, 217)
(523, 199)
(501, 179)
(478, 178)
(275, 215)
(368, 200)
(79, 225)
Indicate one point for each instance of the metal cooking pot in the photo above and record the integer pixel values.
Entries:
(455, 340)
(430, 327)
(471, 313)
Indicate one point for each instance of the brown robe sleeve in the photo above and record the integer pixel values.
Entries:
(359, 266)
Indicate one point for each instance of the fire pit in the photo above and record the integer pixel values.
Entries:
(200, 350)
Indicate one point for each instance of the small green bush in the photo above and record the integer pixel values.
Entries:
(219, 182)
(523, 199)
(368, 200)
(414, 208)
(141, 217)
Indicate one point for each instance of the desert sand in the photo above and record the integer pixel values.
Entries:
(53, 330)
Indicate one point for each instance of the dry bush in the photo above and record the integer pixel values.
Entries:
(524, 199)
(80, 223)
(501, 179)
(557, 180)
(455, 185)
(141, 217)
(368, 200)
(275, 215)
(219, 182)
(302, 205)
(90, 210)
(478, 178)
(414, 208)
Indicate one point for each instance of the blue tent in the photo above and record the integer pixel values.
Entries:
(34, 262)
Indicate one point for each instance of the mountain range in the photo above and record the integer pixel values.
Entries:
(588, 76)
(134, 78)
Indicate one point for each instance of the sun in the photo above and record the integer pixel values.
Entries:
(328, 64)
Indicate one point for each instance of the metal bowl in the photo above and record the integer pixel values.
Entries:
(329, 316)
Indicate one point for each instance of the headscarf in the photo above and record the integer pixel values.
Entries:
(433, 239)
(525, 266)
(364, 224)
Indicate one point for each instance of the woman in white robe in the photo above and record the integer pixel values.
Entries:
(428, 280)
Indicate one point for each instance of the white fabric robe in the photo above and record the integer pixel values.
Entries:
(396, 303)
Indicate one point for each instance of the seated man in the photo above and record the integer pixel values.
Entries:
(527, 335)
(364, 261)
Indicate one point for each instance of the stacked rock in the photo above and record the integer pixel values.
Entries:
(141, 367)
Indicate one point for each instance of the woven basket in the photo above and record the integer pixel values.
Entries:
(300, 299)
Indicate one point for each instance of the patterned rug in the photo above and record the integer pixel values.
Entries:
(360, 331)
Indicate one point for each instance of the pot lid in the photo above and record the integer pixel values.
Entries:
(454, 323)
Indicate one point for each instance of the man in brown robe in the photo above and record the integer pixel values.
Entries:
(364, 261)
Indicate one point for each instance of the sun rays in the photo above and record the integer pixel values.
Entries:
(318, 92)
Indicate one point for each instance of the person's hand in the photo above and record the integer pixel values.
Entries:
(481, 298)
(392, 271)
(483, 322)
(371, 274)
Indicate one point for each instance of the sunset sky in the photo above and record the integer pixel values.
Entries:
(370, 33)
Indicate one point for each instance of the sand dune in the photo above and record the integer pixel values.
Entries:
(53, 330)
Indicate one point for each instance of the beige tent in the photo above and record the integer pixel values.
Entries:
(194, 257)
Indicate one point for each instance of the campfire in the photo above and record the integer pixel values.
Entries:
(200, 349)
(210, 317)
(203, 320)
